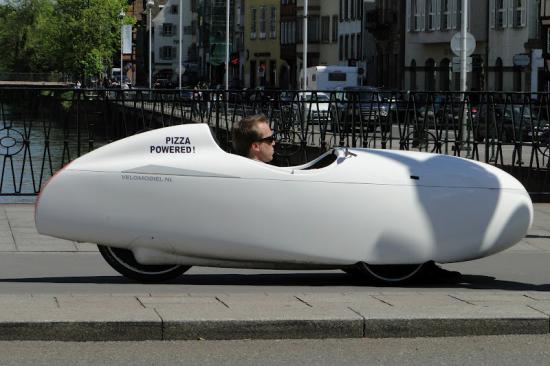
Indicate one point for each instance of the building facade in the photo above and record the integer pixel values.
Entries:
(384, 43)
(328, 34)
(350, 44)
(166, 41)
(261, 40)
(288, 69)
(507, 55)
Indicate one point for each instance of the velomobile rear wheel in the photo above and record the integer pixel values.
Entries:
(394, 273)
(124, 262)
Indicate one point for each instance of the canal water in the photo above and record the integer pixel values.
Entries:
(32, 149)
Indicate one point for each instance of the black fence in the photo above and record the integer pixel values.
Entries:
(43, 129)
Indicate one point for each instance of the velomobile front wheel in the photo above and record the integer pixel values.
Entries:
(124, 262)
(394, 273)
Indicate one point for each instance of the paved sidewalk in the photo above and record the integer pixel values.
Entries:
(157, 316)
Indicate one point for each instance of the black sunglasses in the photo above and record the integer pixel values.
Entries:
(268, 139)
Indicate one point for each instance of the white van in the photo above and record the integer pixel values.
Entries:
(330, 77)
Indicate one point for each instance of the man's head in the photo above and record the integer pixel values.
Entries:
(253, 138)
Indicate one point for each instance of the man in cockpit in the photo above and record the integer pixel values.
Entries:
(252, 138)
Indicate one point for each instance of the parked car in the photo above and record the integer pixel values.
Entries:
(315, 105)
(363, 106)
(508, 123)
(444, 112)
(163, 84)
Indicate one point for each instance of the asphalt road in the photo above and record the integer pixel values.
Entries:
(502, 350)
(86, 272)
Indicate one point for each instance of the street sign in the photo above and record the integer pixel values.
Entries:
(521, 59)
(456, 64)
(456, 44)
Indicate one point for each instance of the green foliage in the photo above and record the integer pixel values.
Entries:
(70, 36)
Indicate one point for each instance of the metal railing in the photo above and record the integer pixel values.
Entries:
(43, 129)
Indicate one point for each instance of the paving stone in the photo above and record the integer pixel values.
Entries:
(406, 300)
(152, 301)
(79, 321)
(484, 298)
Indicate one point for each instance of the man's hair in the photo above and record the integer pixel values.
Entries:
(245, 132)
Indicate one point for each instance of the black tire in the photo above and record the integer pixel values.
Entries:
(124, 262)
(388, 274)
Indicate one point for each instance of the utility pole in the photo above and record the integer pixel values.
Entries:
(304, 86)
(464, 76)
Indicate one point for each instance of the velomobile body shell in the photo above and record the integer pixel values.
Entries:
(174, 196)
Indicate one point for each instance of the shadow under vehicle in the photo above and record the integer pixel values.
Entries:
(512, 123)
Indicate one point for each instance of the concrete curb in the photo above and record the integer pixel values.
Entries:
(79, 331)
(260, 316)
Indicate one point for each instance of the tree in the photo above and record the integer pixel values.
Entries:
(70, 36)
(89, 33)
(21, 25)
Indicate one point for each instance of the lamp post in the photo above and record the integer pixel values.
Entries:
(121, 16)
(545, 38)
(305, 46)
(180, 13)
(149, 6)
(227, 46)
(464, 75)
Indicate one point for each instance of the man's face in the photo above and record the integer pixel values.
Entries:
(263, 150)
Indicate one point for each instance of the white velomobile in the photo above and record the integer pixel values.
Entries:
(161, 201)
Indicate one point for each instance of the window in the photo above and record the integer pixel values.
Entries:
(346, 47)
(325, 29)
(313, 29)
(445, 75)
(253, 23)
(337, 76)
(288, 32)
(346, 14)
(359, 56)
(445, 15)
(262, 22)
(188, 30)
(517, 78)
(413, 75)
(458, 14)
(341, 49)
(500, 14)
(238, 15)
(341, 10)
(429, 80)
(167, 52)
(352, 9)
(335, 29)
(415, 16)
(519, 13)
(174, 9)
(272, 25)
(430, 15)
(168, 29)
(299, 29)
(499, 75)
